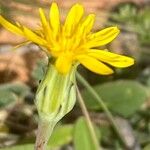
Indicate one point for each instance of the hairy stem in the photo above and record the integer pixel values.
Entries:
(44, 132)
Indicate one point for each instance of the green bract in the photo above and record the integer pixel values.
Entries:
(56, 94)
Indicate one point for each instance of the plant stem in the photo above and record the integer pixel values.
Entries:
(88, 120)
(44, 132)
(102, 104)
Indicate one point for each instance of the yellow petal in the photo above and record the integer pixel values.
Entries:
(33, 37)
(43, 18)
(63, 64)
(9, 26)
(55, 19)
(103, 37)
(115, 60)
(87, 25)
(94, 65)
(45, 24)
(73, 18)
(21, 44)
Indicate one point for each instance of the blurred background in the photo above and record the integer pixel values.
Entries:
(126, 93)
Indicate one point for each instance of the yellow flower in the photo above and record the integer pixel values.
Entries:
(73, 42)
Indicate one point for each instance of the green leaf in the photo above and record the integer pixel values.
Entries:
(6, 98)
(62, 135)
(18, 89)
(147, 147)
(82, 137)
(123, 97)
(20, 147)
(10, 92)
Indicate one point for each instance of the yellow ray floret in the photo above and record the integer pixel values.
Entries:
(10, 27)
(54, 19)
(73, 42)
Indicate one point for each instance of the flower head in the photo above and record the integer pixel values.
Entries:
(73, 42)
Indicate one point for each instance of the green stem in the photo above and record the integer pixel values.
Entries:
(44, 132)
(102, 104)
(88, 120)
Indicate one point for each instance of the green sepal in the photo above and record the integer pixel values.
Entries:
(56, 94)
